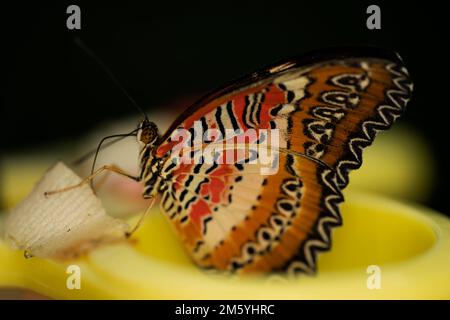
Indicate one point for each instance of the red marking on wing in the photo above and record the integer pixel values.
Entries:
(165, 147)
(221, 170)
(239, 104)
(273, 98)
(217, 184)
(214, 188)
(199, 209)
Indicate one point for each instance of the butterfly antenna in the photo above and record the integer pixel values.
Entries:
(99, 147)
(89, 154)
(105, 68)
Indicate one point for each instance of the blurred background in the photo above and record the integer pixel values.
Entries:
(167, 56)
(58, 103)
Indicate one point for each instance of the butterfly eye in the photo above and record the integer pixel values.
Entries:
(148, 132)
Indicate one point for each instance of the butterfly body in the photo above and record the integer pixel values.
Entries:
(325, 108)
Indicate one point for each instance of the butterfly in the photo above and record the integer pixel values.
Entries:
(229, 212)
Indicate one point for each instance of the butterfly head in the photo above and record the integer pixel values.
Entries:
(147, 134)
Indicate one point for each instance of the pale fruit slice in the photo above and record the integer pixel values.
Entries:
(61, 225)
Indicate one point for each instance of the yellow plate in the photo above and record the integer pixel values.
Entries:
(407, 247)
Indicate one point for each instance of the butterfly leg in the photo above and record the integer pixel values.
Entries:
(112, 168)
(142, 218)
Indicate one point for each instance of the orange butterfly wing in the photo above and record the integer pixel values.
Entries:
(327, 106)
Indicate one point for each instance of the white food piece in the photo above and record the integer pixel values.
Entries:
(62, 225)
